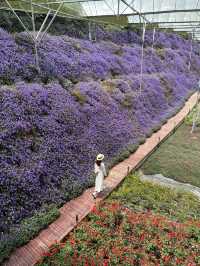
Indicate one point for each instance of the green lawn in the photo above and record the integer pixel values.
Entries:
(178, 157)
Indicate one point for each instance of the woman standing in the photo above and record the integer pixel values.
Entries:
(100, 171)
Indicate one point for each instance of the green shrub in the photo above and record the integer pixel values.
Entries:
(161, 53)
(78, 96)
(164, 121)
(5, 80)
(119, 52)
(156, 128)
(127, 102)
(119, 158)
(108, 85)
(193, 114)
(168, 91)
(142, 140)
(148, 134)
(65, 83)
(28, 229)
(132, 148)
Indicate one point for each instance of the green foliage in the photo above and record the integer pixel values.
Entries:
(167, 89)
(164, 121)
(127, 102)
(132, 148)
(123, 155)
(193, 115)
(161, 53)
(61, 25)
(119, 52)
(156, 128)
(6, 81)
(65, 83)
(142, 140)
(184, 34)
(69, 8)
(79, 97)
(148, 134)
(108, 85)
(112, 21)
(142, 196)
(28, 229)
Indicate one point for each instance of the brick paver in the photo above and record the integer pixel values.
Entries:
(29, 254)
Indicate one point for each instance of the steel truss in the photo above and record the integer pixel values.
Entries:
(54, 8)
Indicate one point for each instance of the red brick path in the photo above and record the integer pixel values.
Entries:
(29, 254)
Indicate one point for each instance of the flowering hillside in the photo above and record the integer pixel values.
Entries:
(86, 100)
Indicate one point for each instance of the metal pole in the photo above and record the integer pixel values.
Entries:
(142, 56)
(22, 9)
(89, 31)
(52, 20)
(191, 48)
(127, 7)
(137, 12)
(25, 28)
(109, 7)
(154, 32)
(118, 5)
(42, 26)
(35, 40)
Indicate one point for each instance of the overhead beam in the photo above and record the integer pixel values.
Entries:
(143, 14)
(170, 11)
(181, 26)
(71, 16)
(170, 22)
(47, 3)
(135, 10)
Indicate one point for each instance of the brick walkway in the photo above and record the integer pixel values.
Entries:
(29, 254)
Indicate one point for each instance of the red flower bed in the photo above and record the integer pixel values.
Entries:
(115, 235)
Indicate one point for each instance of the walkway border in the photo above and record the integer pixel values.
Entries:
(75, 210)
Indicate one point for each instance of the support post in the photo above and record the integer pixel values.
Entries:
(35, 39)
(42, 26)
(191, 48)
(52, 20)
(89, 31)
(118, 6)
(153, 39)
(142, 56)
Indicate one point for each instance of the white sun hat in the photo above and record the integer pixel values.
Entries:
(100, 157)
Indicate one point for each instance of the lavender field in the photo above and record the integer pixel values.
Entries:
(86, 100)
